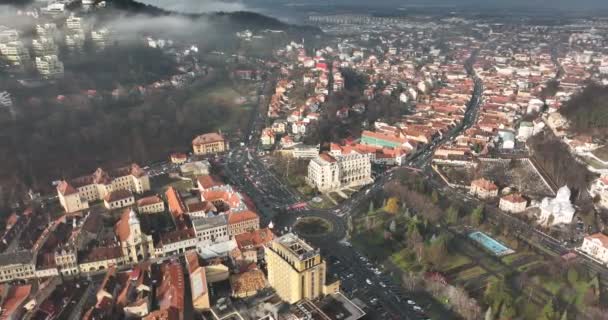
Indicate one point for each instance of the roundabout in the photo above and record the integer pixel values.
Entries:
(319, 225)
(312, 226)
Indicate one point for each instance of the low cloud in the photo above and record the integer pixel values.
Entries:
(198, 6)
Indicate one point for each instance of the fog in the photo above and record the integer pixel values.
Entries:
(198, 6)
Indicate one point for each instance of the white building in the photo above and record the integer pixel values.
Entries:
(525, 131)
(15, 53)
(596, 245)
(328, 173)
(49, 66)
(558, 210)
(211, 230)
(100, 37)
(44, 46)
(513, 203)
(74, 23)
(599, 188)
(5, 99)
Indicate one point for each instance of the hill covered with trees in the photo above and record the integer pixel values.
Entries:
(587, 111)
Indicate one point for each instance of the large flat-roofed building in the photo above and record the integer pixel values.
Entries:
(329, 173)
(295, 269)
(209, 143)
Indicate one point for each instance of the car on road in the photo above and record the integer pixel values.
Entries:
(417, 309)
(411, 302)
(382, 284)
(368, 282)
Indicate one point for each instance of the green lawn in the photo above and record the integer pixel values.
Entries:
(469, 274)
(454, 261)
(325, 204)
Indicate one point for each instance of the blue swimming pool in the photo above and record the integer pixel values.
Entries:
(489, 243)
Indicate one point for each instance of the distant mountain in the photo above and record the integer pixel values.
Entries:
(235, 21)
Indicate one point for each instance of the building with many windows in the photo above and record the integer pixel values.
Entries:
(329, 173)
(75, 194)
(209, 143)
(295, 269)
(596, 245)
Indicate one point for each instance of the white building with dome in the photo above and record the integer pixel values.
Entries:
(558, 210)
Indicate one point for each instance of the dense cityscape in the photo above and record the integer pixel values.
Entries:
(228, 165)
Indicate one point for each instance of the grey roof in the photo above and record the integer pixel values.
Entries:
(19, 257)
(210, 222)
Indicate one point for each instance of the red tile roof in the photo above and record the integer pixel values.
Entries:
(122, 228)
(208, 138)
(14, 299)
(255, 238)
(174, 201)
(601, 237)
(237, 217)
(207, 181)
(484, 184)
(148, 201)
(118, 195)
(65, 188)
(170, 293)
(514, 198)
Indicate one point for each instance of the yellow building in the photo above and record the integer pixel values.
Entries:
(295, 269)
(209, 143)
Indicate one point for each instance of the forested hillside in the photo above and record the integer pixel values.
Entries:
(588, 111)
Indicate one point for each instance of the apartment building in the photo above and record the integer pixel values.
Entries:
(209, 143)
(49, 66)
(211, 230)
(75, 194)
(596, 245)
(328, 173)
(17, 265)
(241, 222)
(15, 53)
(295, 269)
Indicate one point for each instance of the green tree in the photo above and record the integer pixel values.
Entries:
(477, 216)
(434, 197)
(451, 216)
(572, 276)
(548, 312)
(507, 311)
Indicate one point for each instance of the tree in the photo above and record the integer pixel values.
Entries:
(434, 197)
(477, 216)
(507, 311)
(451, 216)
(572, 276)
(392, 205)
(548, 312)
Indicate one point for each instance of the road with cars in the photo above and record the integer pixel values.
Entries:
(360, 278)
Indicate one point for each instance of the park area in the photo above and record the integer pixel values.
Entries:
(510, 276)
